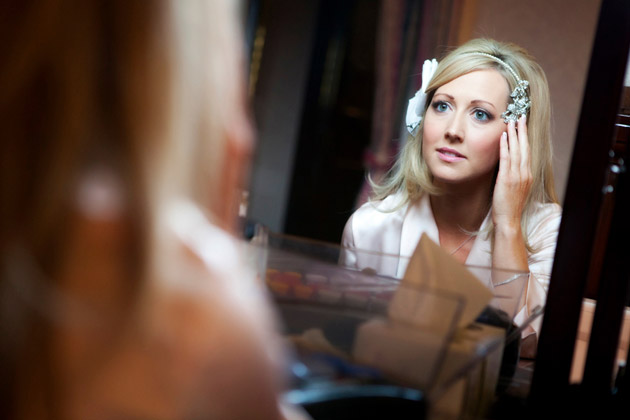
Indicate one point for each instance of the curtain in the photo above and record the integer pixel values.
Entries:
(409, 31)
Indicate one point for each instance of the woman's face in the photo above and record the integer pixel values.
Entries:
(463, 126)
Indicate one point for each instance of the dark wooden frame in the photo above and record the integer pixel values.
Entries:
(585, 194)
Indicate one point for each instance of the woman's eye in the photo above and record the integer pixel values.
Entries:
(481, 115)
(440, 106)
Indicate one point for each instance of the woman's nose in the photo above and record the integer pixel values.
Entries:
(455, 128)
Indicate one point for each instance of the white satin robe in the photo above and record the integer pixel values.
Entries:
(372, 227)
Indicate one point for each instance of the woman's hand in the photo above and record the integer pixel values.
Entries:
(514, 179)
(513, 184)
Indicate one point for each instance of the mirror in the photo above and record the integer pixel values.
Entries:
(319, 105)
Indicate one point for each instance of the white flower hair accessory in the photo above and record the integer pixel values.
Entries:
(416, 104)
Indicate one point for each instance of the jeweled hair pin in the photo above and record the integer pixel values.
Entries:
(520, 100)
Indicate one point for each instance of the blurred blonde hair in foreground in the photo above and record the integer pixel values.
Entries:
(124, 126)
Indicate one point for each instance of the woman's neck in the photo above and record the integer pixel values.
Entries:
(461, 207)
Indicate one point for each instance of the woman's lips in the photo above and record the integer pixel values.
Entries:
(450, 155)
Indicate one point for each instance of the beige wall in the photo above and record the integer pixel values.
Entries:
(559, 33)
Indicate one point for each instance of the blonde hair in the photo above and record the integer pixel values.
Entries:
(143, 88)
(410, 175)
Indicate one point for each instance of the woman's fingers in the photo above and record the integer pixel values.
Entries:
(514, 178)
(519, 152)
(523, 141)
(515, 152)
(504, 155)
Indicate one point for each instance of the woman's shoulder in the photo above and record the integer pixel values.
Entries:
(390, 205)
(208, 291)
(377, 213)
(545, 217)
(215, 260)
(547, 210)
(373, 219)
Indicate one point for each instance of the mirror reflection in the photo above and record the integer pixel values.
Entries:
(336, 129)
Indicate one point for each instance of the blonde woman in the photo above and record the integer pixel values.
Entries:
(123, 294)
(475, 175)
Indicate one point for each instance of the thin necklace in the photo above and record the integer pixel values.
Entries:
(461, 245)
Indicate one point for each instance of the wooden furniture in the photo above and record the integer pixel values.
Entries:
(594, 242)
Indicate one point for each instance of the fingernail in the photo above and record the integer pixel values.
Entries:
(504, 136)
(524, 118)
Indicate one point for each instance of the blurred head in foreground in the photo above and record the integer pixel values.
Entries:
(124, 131)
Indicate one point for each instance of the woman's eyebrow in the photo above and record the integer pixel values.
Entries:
(481, 101)
(473, 102)
(451, 97)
